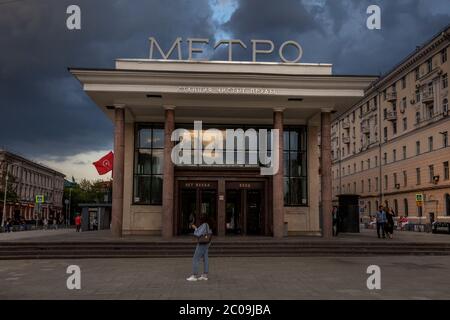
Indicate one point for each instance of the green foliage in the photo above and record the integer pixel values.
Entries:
(11, 194)
(85, 192)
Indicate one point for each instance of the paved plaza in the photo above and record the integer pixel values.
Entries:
(230, 278)
(366, 235)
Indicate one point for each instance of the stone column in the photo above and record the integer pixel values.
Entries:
(325, 169)
(118, 171)
(168, 178)
(278, 183)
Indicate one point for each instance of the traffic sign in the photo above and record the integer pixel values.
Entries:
(40, 198)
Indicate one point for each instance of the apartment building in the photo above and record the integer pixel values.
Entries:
(26, 180)
(393, 144)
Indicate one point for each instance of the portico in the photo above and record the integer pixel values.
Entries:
(149, 99)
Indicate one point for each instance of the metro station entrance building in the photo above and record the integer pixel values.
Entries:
(148, 99)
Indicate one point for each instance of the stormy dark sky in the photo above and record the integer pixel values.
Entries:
(44, 114)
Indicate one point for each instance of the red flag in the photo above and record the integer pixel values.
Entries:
(105, 164)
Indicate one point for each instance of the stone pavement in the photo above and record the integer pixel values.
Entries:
(409, 277)
(105, 235)
(36, 234)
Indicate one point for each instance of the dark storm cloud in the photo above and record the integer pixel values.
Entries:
(44, 112)
(335, 31)
(43, 109)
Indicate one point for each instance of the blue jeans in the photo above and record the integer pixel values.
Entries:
(200, 251)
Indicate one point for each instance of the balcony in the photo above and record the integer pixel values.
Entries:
(391, 116)
(391, 97)
(427, 96)
(346, 140)
(346, 124)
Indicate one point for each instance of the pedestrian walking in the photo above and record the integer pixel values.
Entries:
(203, 235)
(45, 224)
(78, 222)
(381, 221)
(8, 225)
(336, 221)
(390, 223)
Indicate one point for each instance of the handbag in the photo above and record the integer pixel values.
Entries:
(205, 238)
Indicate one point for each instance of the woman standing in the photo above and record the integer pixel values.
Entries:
(203, 234)
(390, 223)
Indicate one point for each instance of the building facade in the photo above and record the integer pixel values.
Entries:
(393, 144)
(148, 100)
(26, 180)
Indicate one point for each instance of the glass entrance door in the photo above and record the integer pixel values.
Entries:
(244, 209)
(197, 199)
(253, 212)
(208, 207)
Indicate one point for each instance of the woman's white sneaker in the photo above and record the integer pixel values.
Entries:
(203, 277)
(192, 278)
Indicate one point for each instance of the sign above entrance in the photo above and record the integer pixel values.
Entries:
(196, 45)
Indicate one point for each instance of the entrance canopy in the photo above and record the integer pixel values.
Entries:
(219, 91)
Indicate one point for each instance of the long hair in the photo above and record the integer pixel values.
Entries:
(203, 219)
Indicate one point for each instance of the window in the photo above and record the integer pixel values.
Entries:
(376, 184)
(394, 155)
(445, 106)
(417, 148)
(362, 165)
(431, 172)
(404, 152)
(354, 167)
(385, 182)
(445, 139)
(368, 163)
(430, 144)
(385, 133)
(417, 73)
(405, 204)
(417, 175)
(394, 127)
(395, 180)
(429, 65)
(369, 184)
(444, 81)
(405, 179)
(385, 158)
(149, 162)
(296, 173)
(354, 187)
(444, 55)
(417, 96)
(376, 161)
(384, 94)
(446, 170)
(362, 186)
(417, 117)
(384, 113)
(405, 124)
(403, 82)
